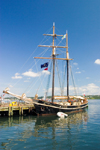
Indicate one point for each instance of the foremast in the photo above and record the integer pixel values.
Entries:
(67, 56)
(54, 58)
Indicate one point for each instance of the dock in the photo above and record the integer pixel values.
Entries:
(19, 110)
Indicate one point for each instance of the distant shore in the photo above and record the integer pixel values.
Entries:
(87, 96)
(93, 96)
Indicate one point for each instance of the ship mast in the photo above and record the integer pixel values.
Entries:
(54, 58)
(67, 56)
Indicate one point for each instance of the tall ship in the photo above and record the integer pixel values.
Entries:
(62, 103)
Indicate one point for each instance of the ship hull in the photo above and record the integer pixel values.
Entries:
(45, 109)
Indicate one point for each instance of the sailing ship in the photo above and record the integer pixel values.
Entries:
(65, 104)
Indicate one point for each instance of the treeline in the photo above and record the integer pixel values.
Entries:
(93, 96)
(88, 96)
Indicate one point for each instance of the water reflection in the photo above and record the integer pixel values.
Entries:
(22, 129)
(45, 123)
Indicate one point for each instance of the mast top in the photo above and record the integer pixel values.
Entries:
(53, 46)
(53, 23)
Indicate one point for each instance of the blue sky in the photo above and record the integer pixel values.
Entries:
(22, 25)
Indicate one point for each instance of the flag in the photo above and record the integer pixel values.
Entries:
(44, 65)
(84, 94)
(46, 69)
(64, 36)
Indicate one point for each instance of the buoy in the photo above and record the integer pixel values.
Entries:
(62, 115)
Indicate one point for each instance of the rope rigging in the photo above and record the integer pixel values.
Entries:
(30, 57)
(35, 64)
(73, 79)
(65, 70)
(58, 75)
(48, 80)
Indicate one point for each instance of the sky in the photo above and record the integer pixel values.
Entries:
(22, 25)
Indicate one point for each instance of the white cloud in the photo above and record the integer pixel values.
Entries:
(97, 61)
(71, 90)
(57, 91)
(30, 73)
(78, 72)
(26, 81)
(89, 89)
(45, 72)
(87, 78)
(10, 86)
(17, 76)
(75, 64)
(77, 68)
(33, 74)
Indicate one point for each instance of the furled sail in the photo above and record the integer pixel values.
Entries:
(22, 97)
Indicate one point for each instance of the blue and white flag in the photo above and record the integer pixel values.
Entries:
(44, 65)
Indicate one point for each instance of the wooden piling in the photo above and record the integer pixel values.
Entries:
(19, 111)
(9, 110)
(22, 111)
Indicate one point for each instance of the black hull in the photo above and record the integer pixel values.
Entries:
(44, 109)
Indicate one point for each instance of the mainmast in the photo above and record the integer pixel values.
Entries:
(67, 56)
(54, 57)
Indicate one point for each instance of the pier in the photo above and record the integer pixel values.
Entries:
(19, 109)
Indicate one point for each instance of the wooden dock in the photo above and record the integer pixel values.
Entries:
(25, 109)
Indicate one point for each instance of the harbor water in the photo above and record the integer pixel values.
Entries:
(80, 131)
